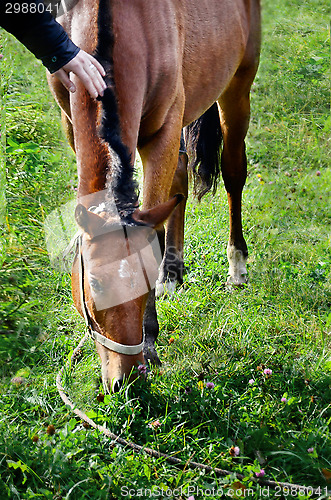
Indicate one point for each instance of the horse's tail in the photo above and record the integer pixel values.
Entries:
(203, 139)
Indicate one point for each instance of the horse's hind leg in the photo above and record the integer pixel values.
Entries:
(172, 267)
(234, 113)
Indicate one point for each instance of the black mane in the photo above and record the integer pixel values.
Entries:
(122, 187)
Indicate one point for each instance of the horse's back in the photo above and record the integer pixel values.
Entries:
(189, 46)
(217, 36)
(194, 46)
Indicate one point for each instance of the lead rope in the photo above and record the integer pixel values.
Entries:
(177, 462)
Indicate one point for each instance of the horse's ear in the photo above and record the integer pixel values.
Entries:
(88, 221)
(155, 216)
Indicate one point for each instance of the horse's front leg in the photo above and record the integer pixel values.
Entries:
(151, 330)
(92, 154)
(164, 176)
(172, 267)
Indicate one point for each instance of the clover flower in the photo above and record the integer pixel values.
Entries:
(267, 372)
(155, 424)
(310, 450)
(283, 400)
(251, 381)
(18, 381)
(234, 451)
(142, 369)
(261, 473)
(210, 385)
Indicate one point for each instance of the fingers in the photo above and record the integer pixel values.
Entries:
(88, 70)
(98, 66)
(95, 77)
(65, 80)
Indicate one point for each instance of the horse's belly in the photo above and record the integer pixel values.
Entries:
(200, 98)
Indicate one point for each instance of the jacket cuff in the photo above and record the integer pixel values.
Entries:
(49, 42)
(60, 57)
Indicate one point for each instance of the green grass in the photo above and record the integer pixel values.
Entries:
(280, 321)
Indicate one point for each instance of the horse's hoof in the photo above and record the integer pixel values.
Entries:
(150, 355)
(165, 288)
(237, 266)
(237, 281)
(232, 285)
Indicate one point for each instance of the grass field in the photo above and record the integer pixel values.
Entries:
(212, 400)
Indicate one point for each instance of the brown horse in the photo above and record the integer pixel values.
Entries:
(170, 64)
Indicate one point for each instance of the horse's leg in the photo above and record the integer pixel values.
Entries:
(79, 119)
(234, 113)
(172, 267)
(150, 330)
(159, 155)
(62, 98)
(67, 127)
(160, 161)
(92, 154)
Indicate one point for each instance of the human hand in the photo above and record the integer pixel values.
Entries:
(88, 70)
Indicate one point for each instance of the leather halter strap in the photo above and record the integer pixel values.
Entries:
(130, 350)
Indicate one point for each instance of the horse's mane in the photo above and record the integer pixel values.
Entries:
(122, 186)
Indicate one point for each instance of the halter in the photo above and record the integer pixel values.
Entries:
(130, 350)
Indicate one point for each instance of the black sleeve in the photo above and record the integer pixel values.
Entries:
(39, 32)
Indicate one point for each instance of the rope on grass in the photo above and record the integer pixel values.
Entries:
(156, 454)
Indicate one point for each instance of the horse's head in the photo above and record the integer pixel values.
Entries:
(114, 270)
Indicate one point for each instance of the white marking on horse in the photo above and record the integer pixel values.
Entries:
(165, 288)
(237, 266)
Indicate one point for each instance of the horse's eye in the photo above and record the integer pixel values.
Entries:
(96, 285)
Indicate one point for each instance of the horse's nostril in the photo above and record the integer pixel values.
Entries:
(117, 385)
